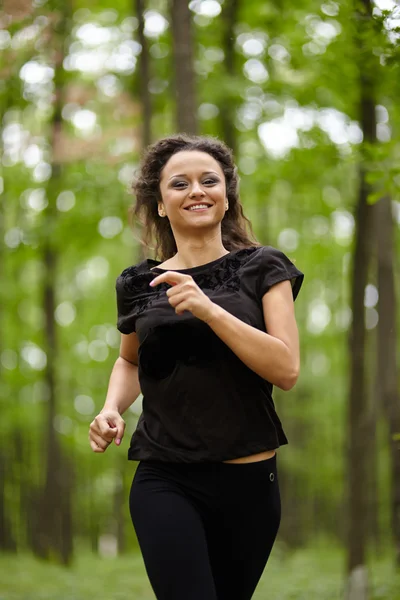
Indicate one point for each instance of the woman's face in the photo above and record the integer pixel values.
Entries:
(193, 191)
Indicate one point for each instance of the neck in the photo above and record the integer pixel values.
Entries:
(192, 253)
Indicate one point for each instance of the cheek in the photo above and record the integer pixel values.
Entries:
(220, 192)
(170, 197)
(173, 202)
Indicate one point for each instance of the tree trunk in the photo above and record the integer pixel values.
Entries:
(358, 405)
(227, 111)
(143, 81)
(8, 540)
(387, 363)
(143, 72)
(182, 40)
(373, 462)
(119, 509)
(53, 530)
(358, 402)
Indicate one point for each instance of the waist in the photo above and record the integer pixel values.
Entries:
(253, 457)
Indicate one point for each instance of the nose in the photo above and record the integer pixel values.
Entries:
(196, 190)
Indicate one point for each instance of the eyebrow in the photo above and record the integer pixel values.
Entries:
(185, 175)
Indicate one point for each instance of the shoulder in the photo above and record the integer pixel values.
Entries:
(244, 255)
(245, 261)
(136, 277)
(256, 252)
(274, 256)
(255, 255)
(135, 270)
(261, 257)
(271, 252)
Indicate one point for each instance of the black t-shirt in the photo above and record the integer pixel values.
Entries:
(200, 401)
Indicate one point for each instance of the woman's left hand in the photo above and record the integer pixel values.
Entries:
(185, 294)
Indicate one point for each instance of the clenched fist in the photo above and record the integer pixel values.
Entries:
(106, 427)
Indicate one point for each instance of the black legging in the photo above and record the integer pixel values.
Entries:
(205, 530)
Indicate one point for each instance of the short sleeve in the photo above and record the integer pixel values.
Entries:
(132, 290)
(275, 267)
(125, 318)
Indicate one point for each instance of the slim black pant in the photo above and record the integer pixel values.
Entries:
(205, 530)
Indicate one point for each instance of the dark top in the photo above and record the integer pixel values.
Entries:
(200, 401)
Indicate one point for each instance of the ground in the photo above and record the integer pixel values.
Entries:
(315, 573)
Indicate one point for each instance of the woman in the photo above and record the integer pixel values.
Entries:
(205, 498)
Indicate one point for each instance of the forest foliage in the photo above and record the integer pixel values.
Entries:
(306, 93)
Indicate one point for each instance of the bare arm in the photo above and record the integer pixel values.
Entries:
(275, 355)
(123, 390)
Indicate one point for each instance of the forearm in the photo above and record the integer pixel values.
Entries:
(264, 354)
(124, 387)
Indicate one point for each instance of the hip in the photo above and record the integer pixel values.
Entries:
(211, 479)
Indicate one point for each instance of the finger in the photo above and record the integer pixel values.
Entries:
(171, 277)
(95, 447)
(186, 286)
(120, 431)
(175, 300)
(94, 428)
(100, 441)
(181, 307)
(104, 427)
(175, 289)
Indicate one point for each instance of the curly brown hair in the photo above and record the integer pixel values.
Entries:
(236, 229)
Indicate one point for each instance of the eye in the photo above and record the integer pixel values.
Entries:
(179, 184)
(210, 181)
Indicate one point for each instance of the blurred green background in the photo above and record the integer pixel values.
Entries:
(307, 95)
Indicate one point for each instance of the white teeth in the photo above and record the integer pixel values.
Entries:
(197, 206)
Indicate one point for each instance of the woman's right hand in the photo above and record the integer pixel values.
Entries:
(106, 427)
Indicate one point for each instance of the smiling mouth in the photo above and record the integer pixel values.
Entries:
(198, 207)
